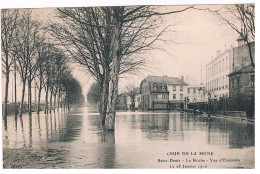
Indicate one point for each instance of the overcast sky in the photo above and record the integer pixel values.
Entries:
(198, 34)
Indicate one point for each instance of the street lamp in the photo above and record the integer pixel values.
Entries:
(209, 96)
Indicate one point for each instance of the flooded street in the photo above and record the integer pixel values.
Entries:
(141, 140)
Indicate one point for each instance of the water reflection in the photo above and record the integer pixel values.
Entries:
(76, 140)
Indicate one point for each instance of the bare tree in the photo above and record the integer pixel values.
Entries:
(27, 40)
(107, 40)
(9, 19)
(241, 18)
(43, 53)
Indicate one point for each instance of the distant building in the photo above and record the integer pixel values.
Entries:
(217, 71)
(196, 93)
(122, 102)
(177, 92)
(138, 101)
(162, 92)
(154, 93)
(129, 100)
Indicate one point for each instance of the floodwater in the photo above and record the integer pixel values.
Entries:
(140, 140)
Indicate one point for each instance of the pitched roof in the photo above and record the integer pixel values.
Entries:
(245, 69)
(165, 79)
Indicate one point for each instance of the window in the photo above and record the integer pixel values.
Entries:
(181, 88)
(163, 96)
(156, 96)
(174, 88)
(174, 96)
(252, 80)
(163, 88)
(237, 82)
(194, 90)
(181, 96)
(188, 90)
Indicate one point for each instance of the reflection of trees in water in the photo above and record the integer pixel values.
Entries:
(227, 132)
(133, 121)
(155, 125)
(107, 150)
(72, 129)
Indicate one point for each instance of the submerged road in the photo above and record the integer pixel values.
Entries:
(140, 140)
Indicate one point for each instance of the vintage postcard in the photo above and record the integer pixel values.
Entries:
(128, 87)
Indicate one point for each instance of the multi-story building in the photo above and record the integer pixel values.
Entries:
(154, 93)
(162, 92)
(242, 78)
(196, 93)
(177, 92)
(217, 71)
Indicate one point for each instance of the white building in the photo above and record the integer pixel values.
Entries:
(217, 71)
(177, 91)
(137, 100)
(196, 93)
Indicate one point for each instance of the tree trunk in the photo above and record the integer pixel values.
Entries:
(58, 107)
(54, 105)
(113, 84)
(46, 111)
(39, 100)
(29, 96)
(51, 101)
(104, 97)
(15, 94)
(22, 100)
(250, 54)
(6, 98)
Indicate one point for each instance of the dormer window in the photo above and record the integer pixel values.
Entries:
(155, 87)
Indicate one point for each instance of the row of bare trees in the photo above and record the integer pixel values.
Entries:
(108, 41)
(28, 51)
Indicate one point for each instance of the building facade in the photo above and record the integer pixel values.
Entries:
(217, 71)
(177, 92)
(154, 93)
(242, 79)
(196, 93)
(162, 92)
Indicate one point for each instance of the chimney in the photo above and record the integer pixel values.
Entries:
(182, 78)
(218, 52)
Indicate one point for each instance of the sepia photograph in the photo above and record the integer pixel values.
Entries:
(128, 87)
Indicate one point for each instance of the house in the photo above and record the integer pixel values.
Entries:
(196, 93)
(162, 92)
(242, 79)
(154, 92)
(177, 92)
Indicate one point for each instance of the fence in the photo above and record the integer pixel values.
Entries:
(239, 105)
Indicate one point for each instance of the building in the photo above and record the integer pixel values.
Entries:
(154, 93)
(177, 92)
(242, 79)
(138, 101)
(162, 92)
(217, 71)
(196, 93)
(121, 102)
